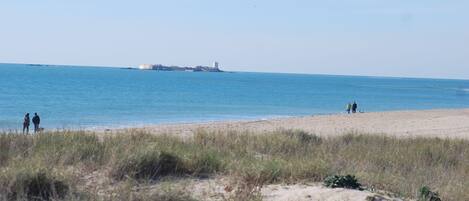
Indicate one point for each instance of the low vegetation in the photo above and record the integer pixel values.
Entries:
(339, 181)
(29, 183)
(148, 166)
(50, 166)
(427, 195)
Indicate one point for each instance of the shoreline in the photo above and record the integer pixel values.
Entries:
(443, 123)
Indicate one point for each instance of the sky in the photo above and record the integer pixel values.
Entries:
(410, 38)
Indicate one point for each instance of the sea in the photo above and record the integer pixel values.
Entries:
(74, 97)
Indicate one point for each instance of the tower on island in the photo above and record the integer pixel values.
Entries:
(215, 65)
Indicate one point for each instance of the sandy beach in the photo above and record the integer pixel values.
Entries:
(444, 123)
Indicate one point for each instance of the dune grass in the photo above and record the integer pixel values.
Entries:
(401, 166)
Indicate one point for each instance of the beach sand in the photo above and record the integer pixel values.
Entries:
(448, 123)
(214, 190)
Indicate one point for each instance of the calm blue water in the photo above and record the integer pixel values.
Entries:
(78, 97)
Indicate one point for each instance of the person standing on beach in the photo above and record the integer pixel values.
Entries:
(349, 107)
(354, 107)
(36, 122)
(26, 122)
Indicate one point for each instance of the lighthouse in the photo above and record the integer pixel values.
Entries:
(215, 65)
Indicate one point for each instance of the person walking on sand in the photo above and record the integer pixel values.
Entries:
(349, 107)
(36, 122)
(26, 122)
(354, 107)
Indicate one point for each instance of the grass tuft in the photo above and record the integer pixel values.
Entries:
(148, 165)
(32, 184)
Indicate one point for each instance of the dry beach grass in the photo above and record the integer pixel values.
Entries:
(87, 166)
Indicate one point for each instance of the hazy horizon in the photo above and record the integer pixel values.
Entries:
(238, 71)
(426, 39)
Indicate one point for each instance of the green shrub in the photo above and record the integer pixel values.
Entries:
(338, 181)
(427, 195)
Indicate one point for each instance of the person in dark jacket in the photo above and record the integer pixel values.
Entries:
(26, 123)
(36, 122)
(354, 107)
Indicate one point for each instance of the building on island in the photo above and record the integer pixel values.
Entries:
(160, 67)
(146, 67)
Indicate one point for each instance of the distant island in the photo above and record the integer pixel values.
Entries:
(160, 67)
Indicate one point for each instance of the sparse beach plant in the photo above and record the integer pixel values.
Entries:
(425, 194)
(342, 181)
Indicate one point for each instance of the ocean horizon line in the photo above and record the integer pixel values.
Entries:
(237, 71)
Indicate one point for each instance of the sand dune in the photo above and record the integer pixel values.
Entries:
(214, 190)
(316, 192)
(449, 123)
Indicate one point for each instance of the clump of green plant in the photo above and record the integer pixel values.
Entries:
(32, 184)
(339, 181)
(150, 164)
(426, 194)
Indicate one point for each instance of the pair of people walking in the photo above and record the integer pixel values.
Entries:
(352, 107)
(36, 122)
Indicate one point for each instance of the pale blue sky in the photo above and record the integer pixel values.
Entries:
(413, 38)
